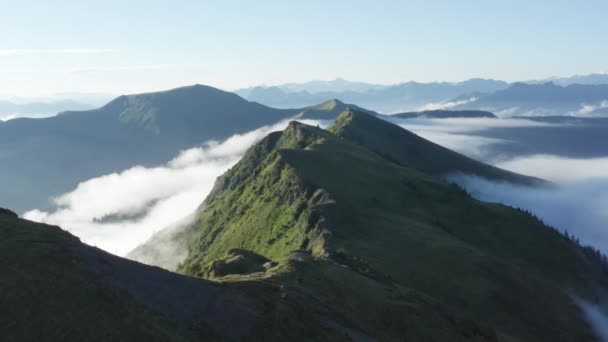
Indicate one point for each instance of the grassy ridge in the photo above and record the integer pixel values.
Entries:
(337, 197)
(407, 149)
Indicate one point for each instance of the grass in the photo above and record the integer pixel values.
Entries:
(48, 294)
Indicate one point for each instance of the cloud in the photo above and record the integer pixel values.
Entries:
(556, 168)
(580, 207)
(77, 51)
(446, 105)
(119, 211)
(507, 112)
(458, 133)
(580, 201)
(7, 117)
(596, 316)
(587, 109)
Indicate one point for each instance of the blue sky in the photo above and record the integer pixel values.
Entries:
(133, 46)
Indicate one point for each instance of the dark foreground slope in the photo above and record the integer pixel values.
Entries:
(394, 251)
(53, 287)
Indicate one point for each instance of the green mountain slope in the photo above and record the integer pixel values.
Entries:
(55, 288)
(329, 110)
(337, 217)
(407, 149)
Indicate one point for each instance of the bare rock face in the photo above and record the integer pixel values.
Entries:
(300, 255)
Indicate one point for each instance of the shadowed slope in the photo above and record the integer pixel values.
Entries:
(55, 287)
(42, 158)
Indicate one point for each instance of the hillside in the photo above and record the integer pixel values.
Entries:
(407, 149)
(304, 201)
(46, 157)
(56, 288)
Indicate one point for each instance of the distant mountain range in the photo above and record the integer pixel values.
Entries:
(590, 79)
(549, 99)
(395, 98)
(386, 99)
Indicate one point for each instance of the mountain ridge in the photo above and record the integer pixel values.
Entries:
(307, 199)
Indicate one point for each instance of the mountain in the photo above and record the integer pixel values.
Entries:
(522, 99)
(409, 150)
(386, 245)
(445, 114)
(590, 79)
(41, 158)
(10, 110)
(337, 85)
(330, 110)
(385, 99)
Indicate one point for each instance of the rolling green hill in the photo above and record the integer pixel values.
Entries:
(46, 157)
(361, 231)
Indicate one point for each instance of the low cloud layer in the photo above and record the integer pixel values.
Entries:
(119, 211)
(558, 169)
(578, 203)
(446, 105)
(589, 109)
(459, 133)
(579, 207)
(6, 117)
(597, 318)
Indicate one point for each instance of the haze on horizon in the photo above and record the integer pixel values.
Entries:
(143, 46)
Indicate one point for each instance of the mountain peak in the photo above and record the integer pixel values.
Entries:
(330, 104)
(408, 149)
(329, 110)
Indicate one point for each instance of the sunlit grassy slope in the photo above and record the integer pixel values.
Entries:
(366, 205)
